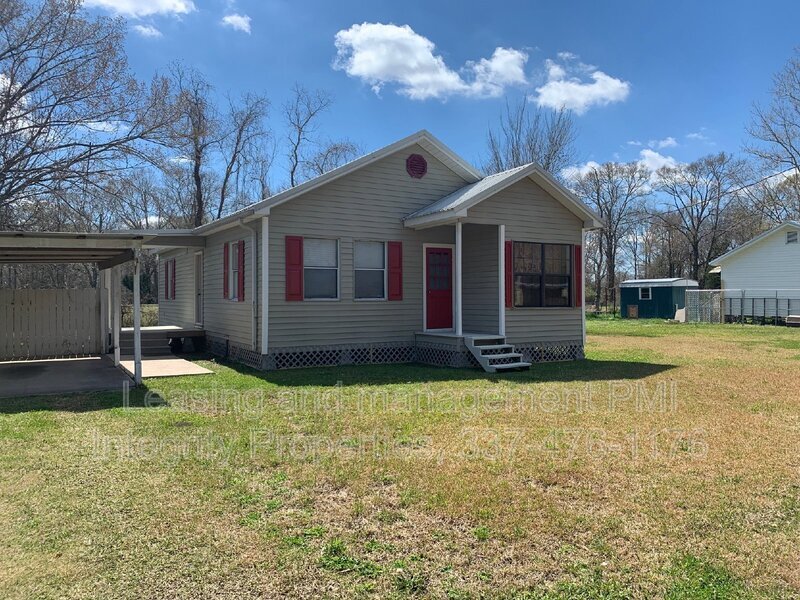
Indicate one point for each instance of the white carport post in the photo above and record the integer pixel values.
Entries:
(459, 236)
(115, 308)
(501, 280)
(137, 319)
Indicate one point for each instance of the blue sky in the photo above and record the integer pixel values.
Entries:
(677, 78)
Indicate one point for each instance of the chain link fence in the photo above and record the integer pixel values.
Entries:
(760, 306)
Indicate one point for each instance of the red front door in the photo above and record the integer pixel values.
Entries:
(439, 288)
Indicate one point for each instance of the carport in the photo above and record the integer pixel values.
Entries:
(68, 323)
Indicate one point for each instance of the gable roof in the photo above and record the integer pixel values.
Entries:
(421, 138)
(455, 205)
(755, 240)
(663, 282)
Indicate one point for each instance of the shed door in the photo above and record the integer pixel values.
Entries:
(438, 288)
(633, 311)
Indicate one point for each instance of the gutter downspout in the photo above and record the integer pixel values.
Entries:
(254, 279)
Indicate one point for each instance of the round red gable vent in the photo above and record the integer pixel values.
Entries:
(416, 166)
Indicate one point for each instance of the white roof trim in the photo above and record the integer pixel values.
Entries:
(422, 138)
(430, 215)
(728, 255)
(666, 282)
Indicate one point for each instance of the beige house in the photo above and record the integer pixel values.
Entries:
(405, 254)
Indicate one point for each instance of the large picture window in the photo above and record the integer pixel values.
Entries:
(320, 269)
(370, 270)
(542, 274)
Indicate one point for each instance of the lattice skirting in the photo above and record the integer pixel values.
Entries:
(445, 355)
(330, 356)
(430, 353)
(231, 351)
(550, 352)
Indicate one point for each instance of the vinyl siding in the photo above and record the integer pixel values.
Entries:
(227, 318)
(367, 205)
(531, 214)
(770, 264)
(179, 311)
(479, 273)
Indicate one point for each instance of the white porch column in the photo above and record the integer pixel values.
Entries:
(102, 285)
(264, 285)
(501, 280)
(459, 253)
(583, 285)
(137, 320)
(115, 308)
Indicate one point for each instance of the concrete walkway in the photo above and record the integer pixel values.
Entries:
(164, 366)
(59, 376)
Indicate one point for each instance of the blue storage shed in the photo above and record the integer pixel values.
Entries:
(654, 298)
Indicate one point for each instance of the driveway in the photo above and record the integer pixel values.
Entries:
(61, 376)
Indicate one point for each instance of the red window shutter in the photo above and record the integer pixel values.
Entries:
(172, 275)
(294, 268)
(395, 259)
(577, 271)
(240, 280)
(166, 279)
(226, 264)
(509, 274)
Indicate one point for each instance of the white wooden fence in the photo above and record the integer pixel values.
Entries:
(49, 323)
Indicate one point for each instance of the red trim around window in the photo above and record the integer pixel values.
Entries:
(395, 260)
(509, 249)
(294, 268)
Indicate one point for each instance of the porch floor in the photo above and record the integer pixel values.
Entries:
(164, 366)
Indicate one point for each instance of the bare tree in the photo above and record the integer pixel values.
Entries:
(699, 194)
(616, 191)
(776, 128)
(301, 114)
(243, 130)
(196, 132)
(526, 135)
(69, 108)
(328, 157)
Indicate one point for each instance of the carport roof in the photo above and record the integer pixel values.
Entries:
(107, 249)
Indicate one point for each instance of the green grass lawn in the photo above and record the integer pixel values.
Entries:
(667, 465)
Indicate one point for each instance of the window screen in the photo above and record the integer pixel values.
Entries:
(320, 268)
(370, 270)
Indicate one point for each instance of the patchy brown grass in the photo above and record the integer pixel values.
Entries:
(665, 465)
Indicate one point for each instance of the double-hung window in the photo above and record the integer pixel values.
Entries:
(645, 293)
(542, 274)
(370, 270)
(320, 269)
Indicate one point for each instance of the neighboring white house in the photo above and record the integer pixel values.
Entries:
(770, 261)
(761, 278)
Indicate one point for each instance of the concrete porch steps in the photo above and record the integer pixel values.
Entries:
(494, 354)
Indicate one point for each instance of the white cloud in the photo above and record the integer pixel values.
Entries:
(633, 143)
(668, 142)
(577, 171)
(237, 22)
(700, 136)
(567, 86)
(147, 31)
(654, 160)
(143, 8)
(382, 54)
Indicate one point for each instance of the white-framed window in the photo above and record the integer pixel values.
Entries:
(369, 263)
(645, 293)
(791, 237)
(320, 269)
(233, 270)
